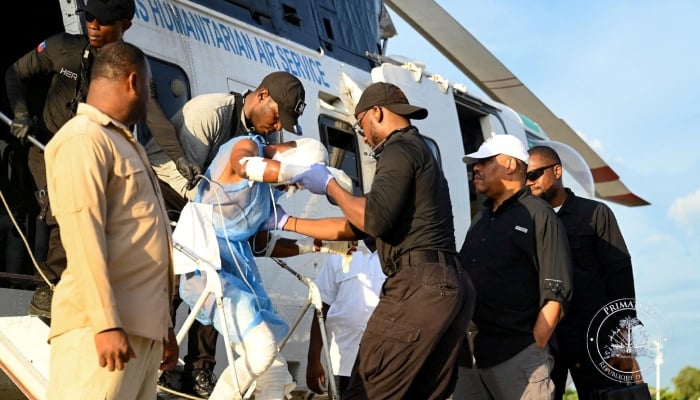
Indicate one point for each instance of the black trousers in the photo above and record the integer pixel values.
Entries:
(413, 339)
(571, 356)
(55, 262)
(201, 340)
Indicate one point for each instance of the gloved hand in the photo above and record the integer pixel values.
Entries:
(22, 126)
(278, 217)
(315, 179)
(189, 170)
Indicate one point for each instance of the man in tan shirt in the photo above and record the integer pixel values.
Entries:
(111, 329)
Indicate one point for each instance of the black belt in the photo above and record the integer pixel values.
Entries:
(416, 257)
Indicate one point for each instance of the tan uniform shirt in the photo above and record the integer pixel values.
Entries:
(114, 228)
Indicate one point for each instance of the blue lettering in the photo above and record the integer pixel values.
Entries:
(259, 45)
(245, 46)
(189, 29)
(321, 75)
(157, 14)
(170, 22)
(228, 37)
(218, 40)
(203, 29)
(281, 51)
(141, 11)
(271, 54)
(198, 24)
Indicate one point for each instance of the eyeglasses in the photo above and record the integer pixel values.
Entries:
(536, 173)
(357, 127)
(89, 18)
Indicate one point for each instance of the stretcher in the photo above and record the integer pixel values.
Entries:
(214, 288)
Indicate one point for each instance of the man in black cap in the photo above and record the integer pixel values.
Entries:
(67, 58)
(412, 340)
(208, 120)
(203, 124)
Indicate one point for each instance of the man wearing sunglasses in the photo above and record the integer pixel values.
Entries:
(602, 270)
(67, 59)
(517, 255)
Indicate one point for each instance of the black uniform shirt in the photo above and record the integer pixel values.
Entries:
(602, 264)
(518, 258)
(61, 56)
(408, 207)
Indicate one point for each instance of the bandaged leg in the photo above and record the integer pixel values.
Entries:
(255, 355)
(276, 383)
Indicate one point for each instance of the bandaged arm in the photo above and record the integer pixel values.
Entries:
(255, 168)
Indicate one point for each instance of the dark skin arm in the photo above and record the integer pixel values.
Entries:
(171, 350)
(334, 228)
(315, 373)
(284, 247)
(353, 207)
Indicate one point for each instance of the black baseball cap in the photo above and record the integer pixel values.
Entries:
(288, 92)
(109, 10)
(390, 97)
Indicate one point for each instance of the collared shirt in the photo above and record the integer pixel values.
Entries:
(114, 229)
(517, 258)
(352, 296)
(602, 263)
(408, 207)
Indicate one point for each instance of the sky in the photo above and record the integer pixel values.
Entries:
(625, 76)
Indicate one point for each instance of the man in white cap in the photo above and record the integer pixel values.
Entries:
(517, 255)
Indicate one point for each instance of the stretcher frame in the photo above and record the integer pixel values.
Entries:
(214, 287)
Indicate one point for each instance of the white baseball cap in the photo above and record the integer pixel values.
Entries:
(499, 144)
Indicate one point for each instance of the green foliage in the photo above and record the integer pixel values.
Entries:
(664, 395)
(687, 384)
(570, 393)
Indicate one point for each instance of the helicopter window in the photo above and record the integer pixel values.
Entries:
(173, 89)
(341, 142)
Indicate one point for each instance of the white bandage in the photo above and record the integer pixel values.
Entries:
(338, 247)
(289, 171)
(342, 178)
(305, 245)
(254, 168)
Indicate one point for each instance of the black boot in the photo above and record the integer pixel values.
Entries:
(40, 305)
(200, 382)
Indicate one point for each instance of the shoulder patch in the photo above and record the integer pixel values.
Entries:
(41, 46)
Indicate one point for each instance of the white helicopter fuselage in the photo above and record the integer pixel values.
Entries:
(196, 48)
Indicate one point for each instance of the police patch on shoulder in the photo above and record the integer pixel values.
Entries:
(41, 46)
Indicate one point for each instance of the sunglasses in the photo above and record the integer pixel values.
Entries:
(357, 127)
(536, 173)
(89, 18)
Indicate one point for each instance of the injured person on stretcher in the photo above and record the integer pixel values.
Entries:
(237, 199)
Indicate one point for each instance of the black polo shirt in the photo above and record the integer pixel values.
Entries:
(602, 264)
(408, 207)
(517, 258)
